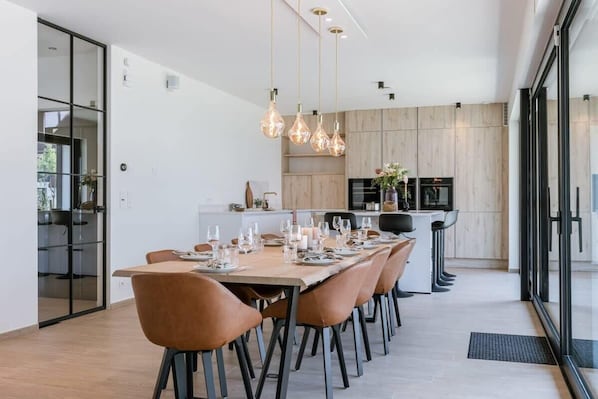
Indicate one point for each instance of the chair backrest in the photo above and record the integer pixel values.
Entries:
(450, 218)
(371, 279)
(396, 222)
(189, 312)
(395, 266)
(332, 301)
(163, 255)
(202, 247)
(328, 216)
(270, 236)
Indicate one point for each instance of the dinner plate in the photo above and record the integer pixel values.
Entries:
(369, 245)
(387, 240)
(346, 251)
(209, 269)
(317, 261)
(196, 256)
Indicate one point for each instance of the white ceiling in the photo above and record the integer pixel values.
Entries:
(429, 51)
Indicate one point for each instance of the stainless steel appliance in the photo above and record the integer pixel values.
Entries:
(363, 195)
(436, 193)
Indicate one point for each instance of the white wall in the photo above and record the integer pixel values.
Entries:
(18, 112)
(186, 148)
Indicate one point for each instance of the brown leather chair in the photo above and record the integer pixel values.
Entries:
(188, 313)
(202, 247)
(383, 294)
(163, 255)
(322, 308)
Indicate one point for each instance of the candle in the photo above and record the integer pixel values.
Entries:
(303, 243)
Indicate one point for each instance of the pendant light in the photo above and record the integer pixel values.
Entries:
(337, 145)
(272, 124)
(299, 133)
(319, 140)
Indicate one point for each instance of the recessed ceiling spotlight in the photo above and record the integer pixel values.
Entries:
(344, 36)
(52, 48)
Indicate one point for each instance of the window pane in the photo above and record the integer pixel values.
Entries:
(53, 283)
(88, 226)
(53, 191)
(88, 128)
(88, 72)
(87, 276)
(53, 51)
(53, 118)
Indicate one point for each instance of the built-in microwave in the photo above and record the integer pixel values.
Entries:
(362, 193)
(436, 193)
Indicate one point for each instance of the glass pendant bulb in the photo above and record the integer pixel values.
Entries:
(336, 147)
(272, 124)
(299, 133)
(319, 140)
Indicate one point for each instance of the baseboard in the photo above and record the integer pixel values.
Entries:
(501, 264)
(19, 332)
(122, 303)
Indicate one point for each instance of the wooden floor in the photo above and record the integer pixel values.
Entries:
(105, 355)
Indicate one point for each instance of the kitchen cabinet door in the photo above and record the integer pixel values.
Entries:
(401, 146)
(367, 120)
(296, 192)
(479, 235)
(436, 153)
(363, 154)
(328, 192)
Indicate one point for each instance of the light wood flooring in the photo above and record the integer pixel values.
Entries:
(105, 355)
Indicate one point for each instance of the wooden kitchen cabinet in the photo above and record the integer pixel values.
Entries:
(363, 154)
(439, 117)
(296, 192)
(479, 235)
(328, 192)
(399, 119)
(367, 120)
(436, 153)
(401, 146)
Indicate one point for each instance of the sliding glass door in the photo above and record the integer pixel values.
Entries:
(70, 178)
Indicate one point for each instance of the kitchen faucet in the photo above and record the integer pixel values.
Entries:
(265, 204)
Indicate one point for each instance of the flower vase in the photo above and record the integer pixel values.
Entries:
(391, 200)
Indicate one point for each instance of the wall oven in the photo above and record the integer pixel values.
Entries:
(436, 193)
(363, 195)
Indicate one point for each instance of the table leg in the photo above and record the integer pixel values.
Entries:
(292, 294)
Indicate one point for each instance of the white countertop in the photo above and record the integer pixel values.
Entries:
(256, 212)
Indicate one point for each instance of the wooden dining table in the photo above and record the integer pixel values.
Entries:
(267, 267)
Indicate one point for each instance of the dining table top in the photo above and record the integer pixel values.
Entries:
(264, 267)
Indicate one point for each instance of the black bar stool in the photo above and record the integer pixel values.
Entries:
(440, 278)
(397, 223)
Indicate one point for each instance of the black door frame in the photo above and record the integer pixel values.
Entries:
(104, 175)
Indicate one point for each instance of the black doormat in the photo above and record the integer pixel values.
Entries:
(586, 353)
(510, 348)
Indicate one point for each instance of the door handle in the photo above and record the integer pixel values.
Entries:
(551, 220)
(577, 219)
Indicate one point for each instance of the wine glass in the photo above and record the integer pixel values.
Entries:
(309, 222)
(323, 230)
(285, 229)
(245, 239)
(345, 226)
(366, 224)
(336, 223)
(213, 237)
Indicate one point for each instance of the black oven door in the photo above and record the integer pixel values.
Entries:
(361, 192)
(436, 193)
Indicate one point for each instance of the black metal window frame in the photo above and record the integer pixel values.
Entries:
(104, 175)
(534, 214)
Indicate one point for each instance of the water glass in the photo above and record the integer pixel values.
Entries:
(362, 235)
(366, 223)
(341, 240)
(213, 237)
(285, 228)
(245, 240)
(318, 246)
(289, 253)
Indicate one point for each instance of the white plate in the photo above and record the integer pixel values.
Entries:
(369, 245)
(346, 251)
(198, 256)
(317, 262)
(208, 269)
(387, 240)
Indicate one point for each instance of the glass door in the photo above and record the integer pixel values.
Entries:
(70, 178)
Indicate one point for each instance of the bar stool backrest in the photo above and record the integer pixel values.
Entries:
(396, 222)
(450, 218)
(328, 216)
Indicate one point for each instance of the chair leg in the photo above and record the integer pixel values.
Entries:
(243, 366)
(372, 318)
(221, 373)
(327, 361)
(247, 356)
(336, 331)
(357, 341)
(189, 373)
(273, 341)
(384, 322)
(314, 347)
(206, 360)
(391, 314)
(178, 375)
(364, 333)
(395, 300)
(304, 340)
(259, 337)
(163, 372)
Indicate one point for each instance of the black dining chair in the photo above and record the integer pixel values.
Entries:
(328, 216)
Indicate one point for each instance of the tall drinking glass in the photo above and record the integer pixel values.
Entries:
(213, 238)
(245, 239)
(366, 224)
(285, 229)
(295, 238)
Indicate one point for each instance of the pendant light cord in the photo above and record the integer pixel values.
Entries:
(320, 64)
(336, 73)
(271, 45)
(298, 52)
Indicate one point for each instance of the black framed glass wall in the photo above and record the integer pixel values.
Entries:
(562, 222)
(71, 174)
